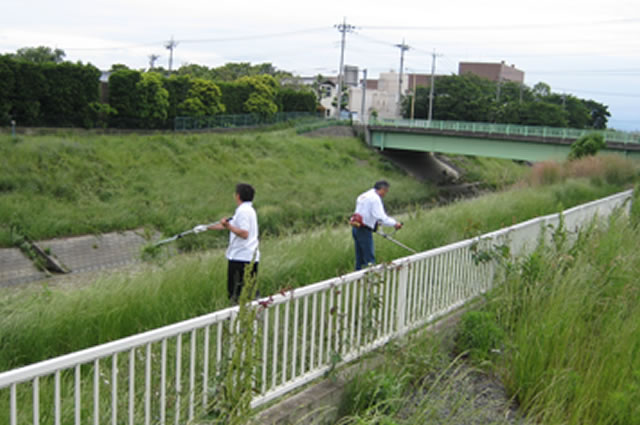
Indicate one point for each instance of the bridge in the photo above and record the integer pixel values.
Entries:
(508, 141)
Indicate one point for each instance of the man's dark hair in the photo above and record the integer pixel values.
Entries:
(381, 184)
(245, 192)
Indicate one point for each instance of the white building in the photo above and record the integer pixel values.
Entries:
(381, 96)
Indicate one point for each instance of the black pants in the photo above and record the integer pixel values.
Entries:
(235, 277)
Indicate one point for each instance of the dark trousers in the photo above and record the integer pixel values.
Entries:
(363, 240)
(235, 277)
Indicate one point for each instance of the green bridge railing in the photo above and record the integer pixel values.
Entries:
(239, 121)
(508, 129)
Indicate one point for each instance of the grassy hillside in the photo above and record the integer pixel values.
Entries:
(571, 315)
(60, 185)
(45, 322)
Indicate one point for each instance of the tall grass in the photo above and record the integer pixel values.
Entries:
(40, 323)
(494, 173)
(70, 184)
(601, 169)
(572, 315)
(420, 382)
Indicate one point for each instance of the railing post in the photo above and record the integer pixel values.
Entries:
(403, 275)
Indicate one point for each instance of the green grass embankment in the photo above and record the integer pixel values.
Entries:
(571, 312)
(39, 324)
(52, 186)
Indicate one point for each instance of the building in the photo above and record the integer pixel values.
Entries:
(497, 72)
(326, 88)
(381, 95)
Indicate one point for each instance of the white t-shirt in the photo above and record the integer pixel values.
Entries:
(241, 249)
(369, 206)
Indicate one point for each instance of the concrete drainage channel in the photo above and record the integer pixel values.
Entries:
(44, 259)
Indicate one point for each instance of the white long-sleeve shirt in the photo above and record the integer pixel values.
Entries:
(369, 206)
(241, 249)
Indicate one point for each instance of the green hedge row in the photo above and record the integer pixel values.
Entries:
(47, 94)
(68, 95)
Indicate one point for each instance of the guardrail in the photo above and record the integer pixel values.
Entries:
(239, 120)
(509, 129)
(172, 373)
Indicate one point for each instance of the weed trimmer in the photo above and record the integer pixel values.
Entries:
(395, 241)
(197, 229)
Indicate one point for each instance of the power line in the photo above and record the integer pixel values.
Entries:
(604, 93)
(204, 40)
(255, 37)
(503, 27)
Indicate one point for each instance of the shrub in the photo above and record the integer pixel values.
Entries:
(587, 145)
(479, 334)
(619, 170)
(545, 173)
(588, 166)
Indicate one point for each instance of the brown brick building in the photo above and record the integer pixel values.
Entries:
(492, 71)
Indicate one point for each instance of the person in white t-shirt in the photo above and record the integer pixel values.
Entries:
(243, 240)
(370, 212)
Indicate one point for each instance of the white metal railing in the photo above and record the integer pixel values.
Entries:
(168, 375)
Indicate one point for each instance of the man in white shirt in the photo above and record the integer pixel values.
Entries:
(243, 239)
(369, 206)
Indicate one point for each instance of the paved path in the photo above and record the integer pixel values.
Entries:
(16, 268)
(79, 254)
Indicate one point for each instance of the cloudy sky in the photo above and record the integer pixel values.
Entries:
(589, 48)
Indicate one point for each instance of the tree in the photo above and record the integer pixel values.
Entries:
(152, 100)
(261, 106)
(178, 88)
(541, 90)
(100, 114)
(119, 67)
(204, 98)
(290, 100)
(7, 82)
(464, 98)
(261, 100)
(194, 70)
(122, 97)
(71, 87)
(29, 87)
(40, 55)
(543, 113)
(598, 113)
(576, 112)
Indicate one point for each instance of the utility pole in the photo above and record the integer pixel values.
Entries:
(344, 29)
(152, 60)
(403, 48)
(170, 45)
(433, 84)
(364, 93)
(413, 98)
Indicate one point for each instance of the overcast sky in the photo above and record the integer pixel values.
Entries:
(589, 48)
